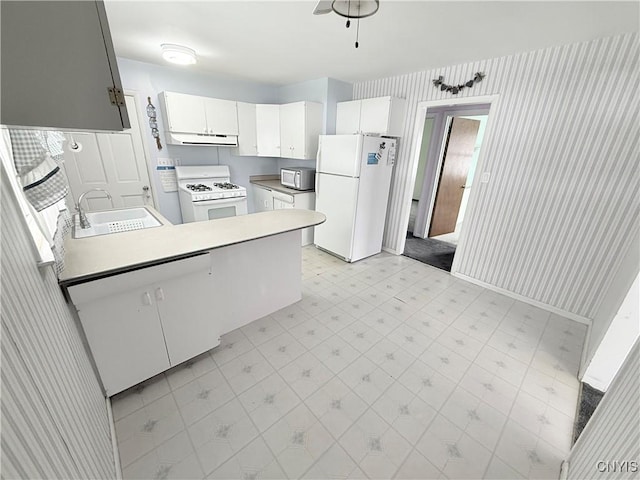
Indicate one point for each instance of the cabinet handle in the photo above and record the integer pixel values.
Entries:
(159, 294)
(146, 299)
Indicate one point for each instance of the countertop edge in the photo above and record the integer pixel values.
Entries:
(116, 268)
(274, 184)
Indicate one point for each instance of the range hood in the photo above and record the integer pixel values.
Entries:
(201, 139)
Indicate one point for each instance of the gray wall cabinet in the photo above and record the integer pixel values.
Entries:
(58, 65)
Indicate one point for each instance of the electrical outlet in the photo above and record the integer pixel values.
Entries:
(485, 177)
(165, 161)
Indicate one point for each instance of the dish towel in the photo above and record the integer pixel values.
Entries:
(43, 180)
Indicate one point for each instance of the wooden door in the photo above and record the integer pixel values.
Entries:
(112, 161)
(453, 175)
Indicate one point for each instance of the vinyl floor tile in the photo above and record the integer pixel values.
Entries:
(386, 368)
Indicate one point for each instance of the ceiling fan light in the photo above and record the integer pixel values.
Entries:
(178, 54)
(355, 8)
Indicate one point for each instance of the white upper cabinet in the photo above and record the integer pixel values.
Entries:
(348, 117)
(300, 125)
(194, 114)
(184, 113)
(380, 115)
(268, 130)
(222, 116)
(247, 132)
(59, 68)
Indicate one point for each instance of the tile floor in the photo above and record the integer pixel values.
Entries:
(387, 368)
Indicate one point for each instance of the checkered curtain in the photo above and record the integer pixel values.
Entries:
(37, 157)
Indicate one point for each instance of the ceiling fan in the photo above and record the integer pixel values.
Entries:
(348, 9)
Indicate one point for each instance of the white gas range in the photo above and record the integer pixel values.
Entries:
(206, 193)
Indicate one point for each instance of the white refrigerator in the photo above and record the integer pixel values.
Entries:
(352, 189)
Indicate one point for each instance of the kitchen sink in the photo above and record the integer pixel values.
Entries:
(114, 221)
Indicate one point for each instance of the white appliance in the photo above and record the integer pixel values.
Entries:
(298, 178)
(352, 189)
(206, 193)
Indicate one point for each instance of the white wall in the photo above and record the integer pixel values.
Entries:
(149, 80)
(561, 208)
(54, 416)
(617, 342)
(327, 91)
(613, 432)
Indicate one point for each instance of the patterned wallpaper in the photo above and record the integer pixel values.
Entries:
(611, 440)
(54, 416)
(561, 205)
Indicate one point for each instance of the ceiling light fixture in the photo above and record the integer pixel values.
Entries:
(178, 54)
(355, 9)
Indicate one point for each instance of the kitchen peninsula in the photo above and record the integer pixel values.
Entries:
(151, 299)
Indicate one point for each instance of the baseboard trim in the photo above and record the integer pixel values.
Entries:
(522, 298)
(391, 250)
(114, 441)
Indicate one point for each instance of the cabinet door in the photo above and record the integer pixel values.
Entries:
(185, 113)
(292, 130)
(262, 199)
(348, 117)
(268, 130)
(282, 200)
(190, 315)
(222, 116)
(374, 115)
(57, 63)
(125, 338)
(247, 133)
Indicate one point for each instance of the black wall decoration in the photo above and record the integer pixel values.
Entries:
(454, 89)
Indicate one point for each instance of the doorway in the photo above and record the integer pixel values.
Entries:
(449, 150)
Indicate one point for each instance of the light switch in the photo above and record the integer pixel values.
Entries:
(485, 177)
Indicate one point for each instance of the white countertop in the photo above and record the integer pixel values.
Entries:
(94, 257)
(274, 184)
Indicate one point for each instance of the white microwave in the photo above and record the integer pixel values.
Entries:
(298, 178)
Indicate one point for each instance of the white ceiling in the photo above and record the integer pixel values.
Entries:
(282, 43)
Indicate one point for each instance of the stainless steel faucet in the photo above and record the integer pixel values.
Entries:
(84, 222)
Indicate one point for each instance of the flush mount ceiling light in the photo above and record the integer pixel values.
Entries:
(178, 54)
(349, 9)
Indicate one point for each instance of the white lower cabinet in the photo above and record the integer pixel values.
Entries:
(141, 323)
(306, 201)
(262, 199)
(265, 199)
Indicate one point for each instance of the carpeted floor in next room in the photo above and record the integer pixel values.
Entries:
(432, 252)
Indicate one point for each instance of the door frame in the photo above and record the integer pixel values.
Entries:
(142, 121)
(424, 214)
(421, 112)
